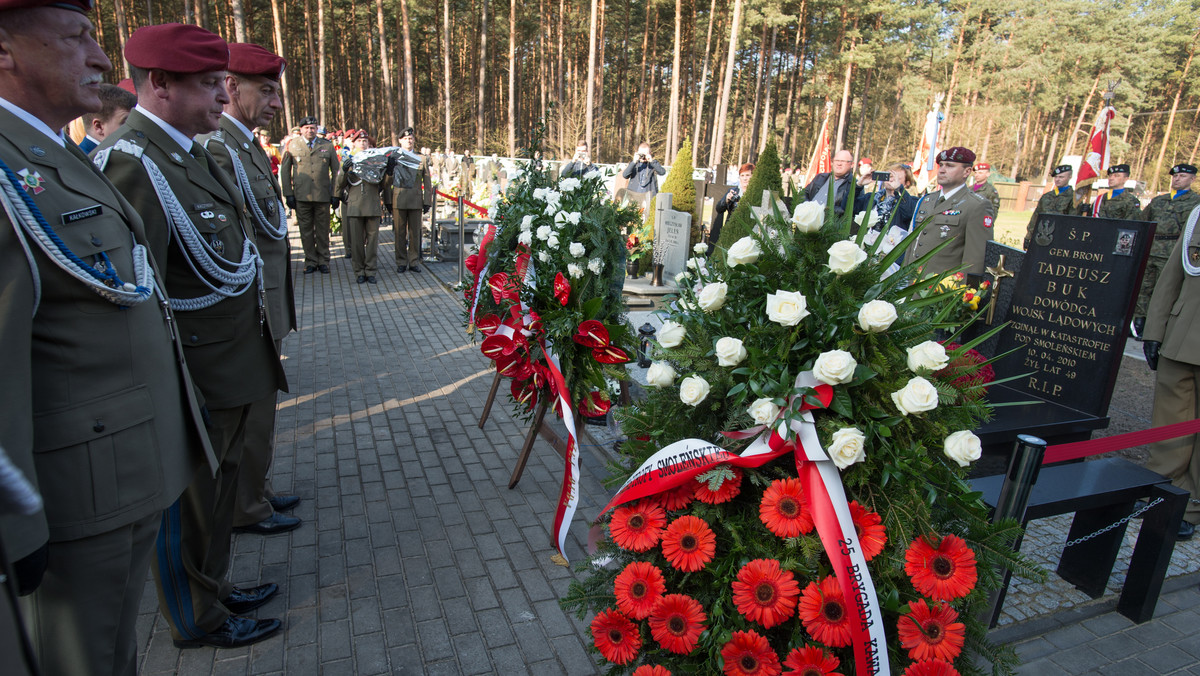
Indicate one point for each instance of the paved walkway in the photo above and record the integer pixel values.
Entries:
(415, 558)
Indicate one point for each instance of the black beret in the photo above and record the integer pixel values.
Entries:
(1062, 169)
(408, 132)
(1118, 169)
(305, 121)
(1183, 169)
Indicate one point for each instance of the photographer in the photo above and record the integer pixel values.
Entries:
(580, 164)
(891, 196)
(643, 171)
(728, 203)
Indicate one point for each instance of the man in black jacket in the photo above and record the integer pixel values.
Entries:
(818, 190)
(643, 171)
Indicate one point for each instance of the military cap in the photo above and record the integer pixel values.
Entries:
(1061, 169)
(956, 154)
(983, 165)
(177, 48)
(83, 6)
(249, 59)
(413, 133)
(1118, 169)
(127, 85)
(1183, 169)
(308, 120)
(865, 160)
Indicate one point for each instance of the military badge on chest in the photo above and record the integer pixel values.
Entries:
(31, 181)
(218, 246)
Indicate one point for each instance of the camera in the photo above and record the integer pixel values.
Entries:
(881, 176)
(642, 157)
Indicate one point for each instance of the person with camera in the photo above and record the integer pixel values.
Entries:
(842, 175)
(643, 171)
(412, 196)
(891, 197)
(580, 164)
(362, 207)
(728, 203)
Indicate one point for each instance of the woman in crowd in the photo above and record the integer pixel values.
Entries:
(891, 197)
(728, 203)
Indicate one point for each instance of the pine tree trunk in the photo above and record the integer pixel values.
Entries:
(598, 82)
(862, 114)
(388, 93)
(639, 128)
(562, 90)
(841, 130)
(591, 74)
(1022, 131)
(673, 115)
(962, 32)
(758, 90)
(482, 82)
(321, 111)
(239, 19)
(122, 30)
(512, 78)
(277, 26)
(1062, 114)
(1087, 103)
(703, 84)
(768, 124)
(723, 107)
(1162, 151)
(446, 72)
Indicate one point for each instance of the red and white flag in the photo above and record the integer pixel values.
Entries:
(1096, 160)
(821, 162)
(924, 164)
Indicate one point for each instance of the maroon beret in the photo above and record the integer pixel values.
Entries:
(249, 59)
(78, 6)
(956, 154)
(127, 85)
(177, 48)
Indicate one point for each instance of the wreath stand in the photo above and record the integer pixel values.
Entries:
(536, 428)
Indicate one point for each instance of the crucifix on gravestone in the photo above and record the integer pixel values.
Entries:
(998, 274)
(764, 211)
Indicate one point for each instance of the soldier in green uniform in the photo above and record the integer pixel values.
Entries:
(1059, 200)
(412, 196)
(1170, 211)
(197, 228)
(253, 87)
(362, 190)
(981, 186)
(97, 408)
(1116, 202)
(309, 166)
(956, 213)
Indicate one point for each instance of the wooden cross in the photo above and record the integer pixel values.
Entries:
(998, 274)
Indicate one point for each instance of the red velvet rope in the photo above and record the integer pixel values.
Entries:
(476, 207)
(1082, 449)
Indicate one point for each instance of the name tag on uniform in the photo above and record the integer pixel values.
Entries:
(203, 205)
(82, 214)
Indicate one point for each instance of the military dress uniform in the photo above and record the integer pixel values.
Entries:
(263, 199)
(988, 192)
(965, 219)
(307, 173)
(229, 351)
(1174, 321)
(362, 209)
(412, 195)
(98, 409)
(1170, 210)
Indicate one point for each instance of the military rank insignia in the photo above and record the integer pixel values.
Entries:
(32, 181)
(951, 212)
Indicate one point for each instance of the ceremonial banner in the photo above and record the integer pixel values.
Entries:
(925, 162)
(821, 162)
(1096, 160)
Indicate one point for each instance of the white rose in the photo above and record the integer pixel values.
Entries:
(539, 194)
(553, 197)
(593, 174)
(697, 264)
(871, 221)
(844, 256)
(525, 238)
(595, 265)
(544, 232)
(712, 296)
(573, 217)
(847, 447)
(730, 351)
(660, 374)
(693, 390)
(671, 334)
(918, 395)
(681, 278)
(527, 222)
(552, 242)
(568, 184)
(560, 218)
(876, 316)
(963, 447)
(786, 307)
(686, 306)
(808, 217)
(551, 209)
(543, 257)
(574, 270)
(929, 355)
(577, 249)
(745, 250)
(834, 367)
(700, 248)
(764, 411)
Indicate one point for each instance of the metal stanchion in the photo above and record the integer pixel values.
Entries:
(433, 230)
(462, 248)
(1023, 469)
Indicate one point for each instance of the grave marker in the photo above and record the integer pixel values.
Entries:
(672, 236)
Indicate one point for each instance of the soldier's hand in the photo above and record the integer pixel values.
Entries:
(1150, 349)
(391, 165)
(29, 570)
(290, 200)
(346, 164)
(334, 202)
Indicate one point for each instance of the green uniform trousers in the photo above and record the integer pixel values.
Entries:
(363, 234)
(254, 492)
(1176, 400)
(312, 219)
(406, 223)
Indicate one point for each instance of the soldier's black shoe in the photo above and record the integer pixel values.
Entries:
(414, 269)
(242, 601)
(371, 279)
(1137, 326)
(324, 269)
(362, 279)
(276, 523)
(1186, 531)
(401, 268)
(234, 633)
(282, 503)
(310, 269)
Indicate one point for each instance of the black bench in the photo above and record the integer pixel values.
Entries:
(1103, 492)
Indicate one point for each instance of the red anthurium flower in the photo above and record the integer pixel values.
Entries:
(595, 404)
(474, 263)
(510, 365)
(610, 354)
(591, 334)
(524, 393)
(493, 347)
(520, 370)
(498, 283)
(562, 289)
(488, 324)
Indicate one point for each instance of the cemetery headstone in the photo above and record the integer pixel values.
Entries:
(765, 210)
(672, 236)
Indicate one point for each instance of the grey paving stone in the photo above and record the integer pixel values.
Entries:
(1081, 659)
(1167, 658)
(1070, 636)
(434, 640)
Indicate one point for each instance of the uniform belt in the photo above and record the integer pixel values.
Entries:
(1166, 237)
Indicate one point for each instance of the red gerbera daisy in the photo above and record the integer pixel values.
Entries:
(688, 543)
(869, 526)
(823, 611)
(748, 654)
(651, 670)
(931, 668)
(764, 593)
(727, 490)
(637, 527)
(784, 509)
(615, 636)
(677, 622)
(679, 497)
(638, 589)
(810, 661)
(944, 572)
(931, 633)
